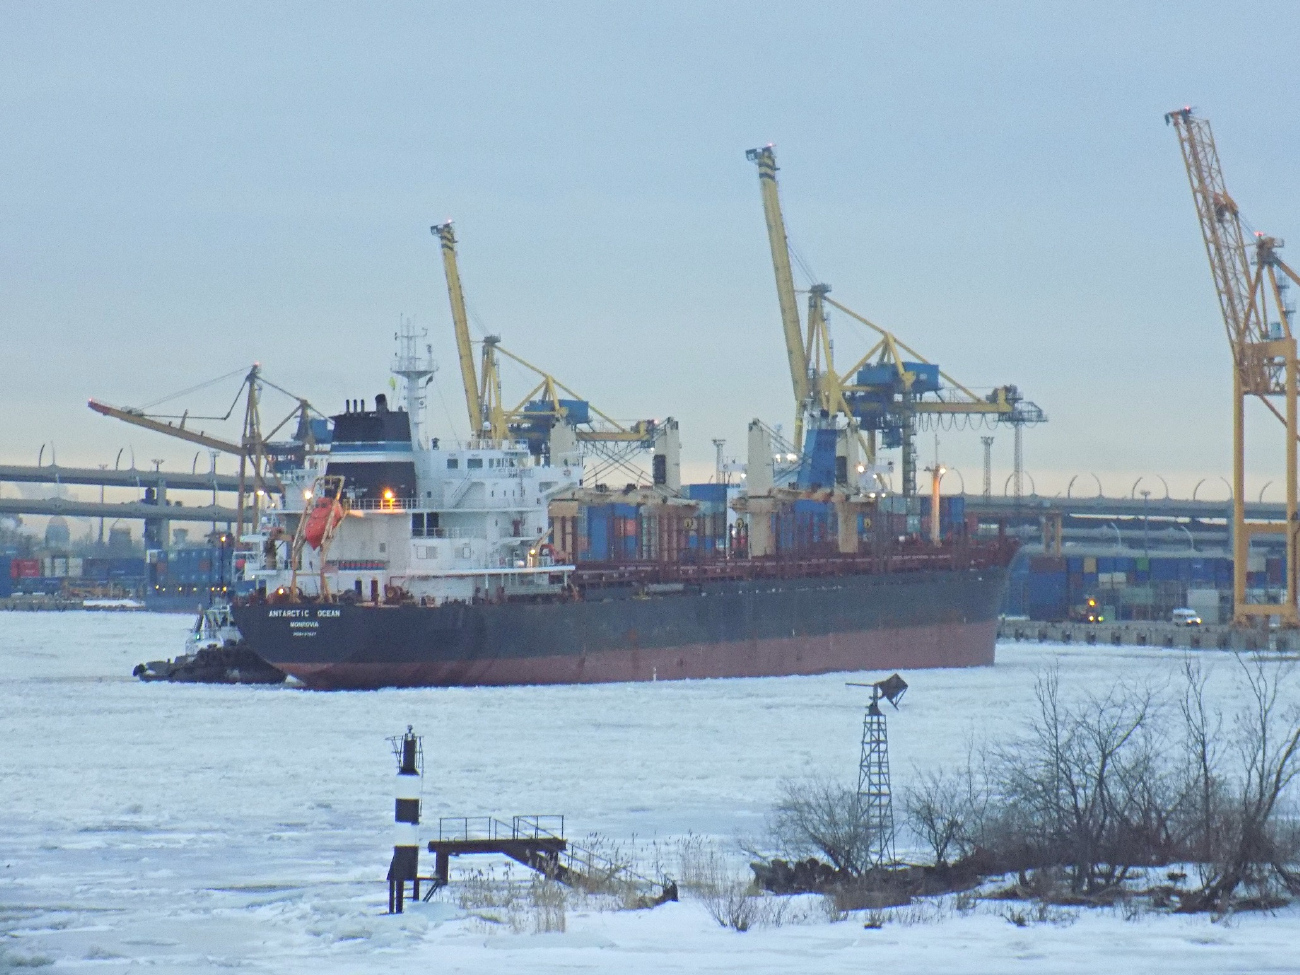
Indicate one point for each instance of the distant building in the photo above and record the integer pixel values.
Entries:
(57, 534)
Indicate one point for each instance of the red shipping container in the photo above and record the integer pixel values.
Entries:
(25, 568)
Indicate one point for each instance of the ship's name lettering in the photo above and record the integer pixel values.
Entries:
(327, 614)
(287, 614)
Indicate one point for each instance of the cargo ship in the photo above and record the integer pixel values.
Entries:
(400, 562)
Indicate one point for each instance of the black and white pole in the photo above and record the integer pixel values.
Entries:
(409, 752)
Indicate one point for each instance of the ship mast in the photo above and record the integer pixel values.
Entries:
(416, 372)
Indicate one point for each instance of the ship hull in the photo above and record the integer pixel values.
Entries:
(755, 628)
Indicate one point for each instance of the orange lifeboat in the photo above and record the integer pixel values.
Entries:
(324, 516)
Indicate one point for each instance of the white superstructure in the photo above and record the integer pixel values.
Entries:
(428, 523)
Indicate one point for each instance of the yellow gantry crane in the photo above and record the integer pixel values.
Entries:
(544, 404)
(883, 391)
(1258, 322)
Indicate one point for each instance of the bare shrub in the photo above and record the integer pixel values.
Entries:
(818, 817)
(730, 898)
(831, 908)
(1063, 782)
(548, 901)
(949, 810)
(488, 894)
(1243, 845)
(1102, 786)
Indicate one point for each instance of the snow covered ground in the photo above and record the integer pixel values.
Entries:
(195, 829)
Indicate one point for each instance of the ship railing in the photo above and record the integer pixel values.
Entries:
(968, 556)
(386, 504)
(450, 533)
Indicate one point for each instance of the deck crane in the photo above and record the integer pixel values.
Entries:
(254, 447)
(1257, 317)
(551, 417)
(885, 390)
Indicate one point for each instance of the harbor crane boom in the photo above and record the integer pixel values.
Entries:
(883, 392)
(548, 404)
(138, 419)
(252, 451)
(765, 158)
(465, 350)
(1250, 294)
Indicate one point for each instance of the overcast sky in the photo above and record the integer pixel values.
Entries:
(186, 188)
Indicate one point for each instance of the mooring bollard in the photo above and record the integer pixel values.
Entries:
(405, 865)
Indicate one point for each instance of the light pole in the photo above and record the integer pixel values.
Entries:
(102, 467)
(988, 467)
(1146, 497)
(936, 475)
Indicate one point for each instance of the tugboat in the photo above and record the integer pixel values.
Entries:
(214, 654)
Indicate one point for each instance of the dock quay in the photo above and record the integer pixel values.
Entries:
(1133, 633)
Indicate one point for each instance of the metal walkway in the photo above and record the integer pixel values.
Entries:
(538, 842)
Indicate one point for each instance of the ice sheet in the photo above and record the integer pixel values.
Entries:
(196, 828)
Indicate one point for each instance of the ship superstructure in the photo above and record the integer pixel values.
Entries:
(415, 523)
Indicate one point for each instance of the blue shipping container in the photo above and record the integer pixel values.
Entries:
(599, 525)
(711, 493)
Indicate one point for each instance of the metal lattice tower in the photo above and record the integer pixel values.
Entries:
(988, 466)
(873, 784)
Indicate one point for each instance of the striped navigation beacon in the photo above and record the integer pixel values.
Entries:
(409, 752)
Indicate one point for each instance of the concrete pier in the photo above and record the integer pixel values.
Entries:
(1150, 634)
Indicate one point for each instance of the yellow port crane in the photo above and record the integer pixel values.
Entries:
(883, 391)
(1252, 300)
(447, 236)
(544, 405)
(255, 479)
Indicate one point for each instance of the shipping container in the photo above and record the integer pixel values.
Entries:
(25, 568)
(600, 526)
(1047, 563)
(1046, 596)
(711, 493)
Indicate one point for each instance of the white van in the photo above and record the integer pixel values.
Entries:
(1185, 617)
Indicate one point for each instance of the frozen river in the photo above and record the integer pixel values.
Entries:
(193, 828)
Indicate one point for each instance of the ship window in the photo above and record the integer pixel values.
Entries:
(452, 463)
(383, 546)
(417, 524)
(474, 463)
